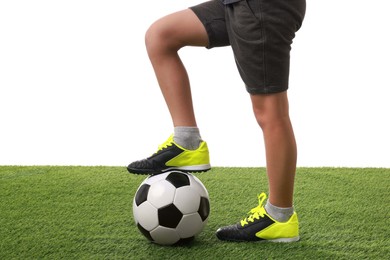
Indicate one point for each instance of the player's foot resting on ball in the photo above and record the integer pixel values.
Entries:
(260, 226)
(171, 156)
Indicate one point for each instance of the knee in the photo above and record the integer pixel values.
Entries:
(271, 110)
(159, 39)
(153, 38)
(269, 119)
(261, 118)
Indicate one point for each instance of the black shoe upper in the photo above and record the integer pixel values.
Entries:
(156, 163)
(244, 233)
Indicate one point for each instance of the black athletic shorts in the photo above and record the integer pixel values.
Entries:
(260, 33)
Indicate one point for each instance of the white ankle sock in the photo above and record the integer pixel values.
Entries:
(187, 137)
(277, 213)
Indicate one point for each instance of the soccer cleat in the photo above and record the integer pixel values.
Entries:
(171, 156)
(259, 226)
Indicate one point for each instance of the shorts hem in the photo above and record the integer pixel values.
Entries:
(265, 91)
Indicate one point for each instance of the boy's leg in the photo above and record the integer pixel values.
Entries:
(272, 114)
(192, 27)
(261, 32)
(163, 40)
(276, 221)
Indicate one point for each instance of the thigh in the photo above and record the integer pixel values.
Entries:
(176, 30)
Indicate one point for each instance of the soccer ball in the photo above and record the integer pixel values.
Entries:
(171, 207)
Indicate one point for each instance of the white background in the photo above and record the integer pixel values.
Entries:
(76, 86)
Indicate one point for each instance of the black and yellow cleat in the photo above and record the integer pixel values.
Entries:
(171, 156)
(259, 226)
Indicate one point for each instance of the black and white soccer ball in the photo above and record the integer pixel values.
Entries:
(171, 207)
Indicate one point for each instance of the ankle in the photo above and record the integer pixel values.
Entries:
(278, 213)
(187, 137)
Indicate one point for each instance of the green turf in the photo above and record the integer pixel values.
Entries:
(86, 213)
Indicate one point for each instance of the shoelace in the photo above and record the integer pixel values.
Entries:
(165, 145)
(255, 213)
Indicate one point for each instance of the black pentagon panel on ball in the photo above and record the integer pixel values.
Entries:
(204, 208)
(178, 179)
(142, 194)
(169, 216)
(145, 232)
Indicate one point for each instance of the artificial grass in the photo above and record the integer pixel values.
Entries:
(49, 212)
